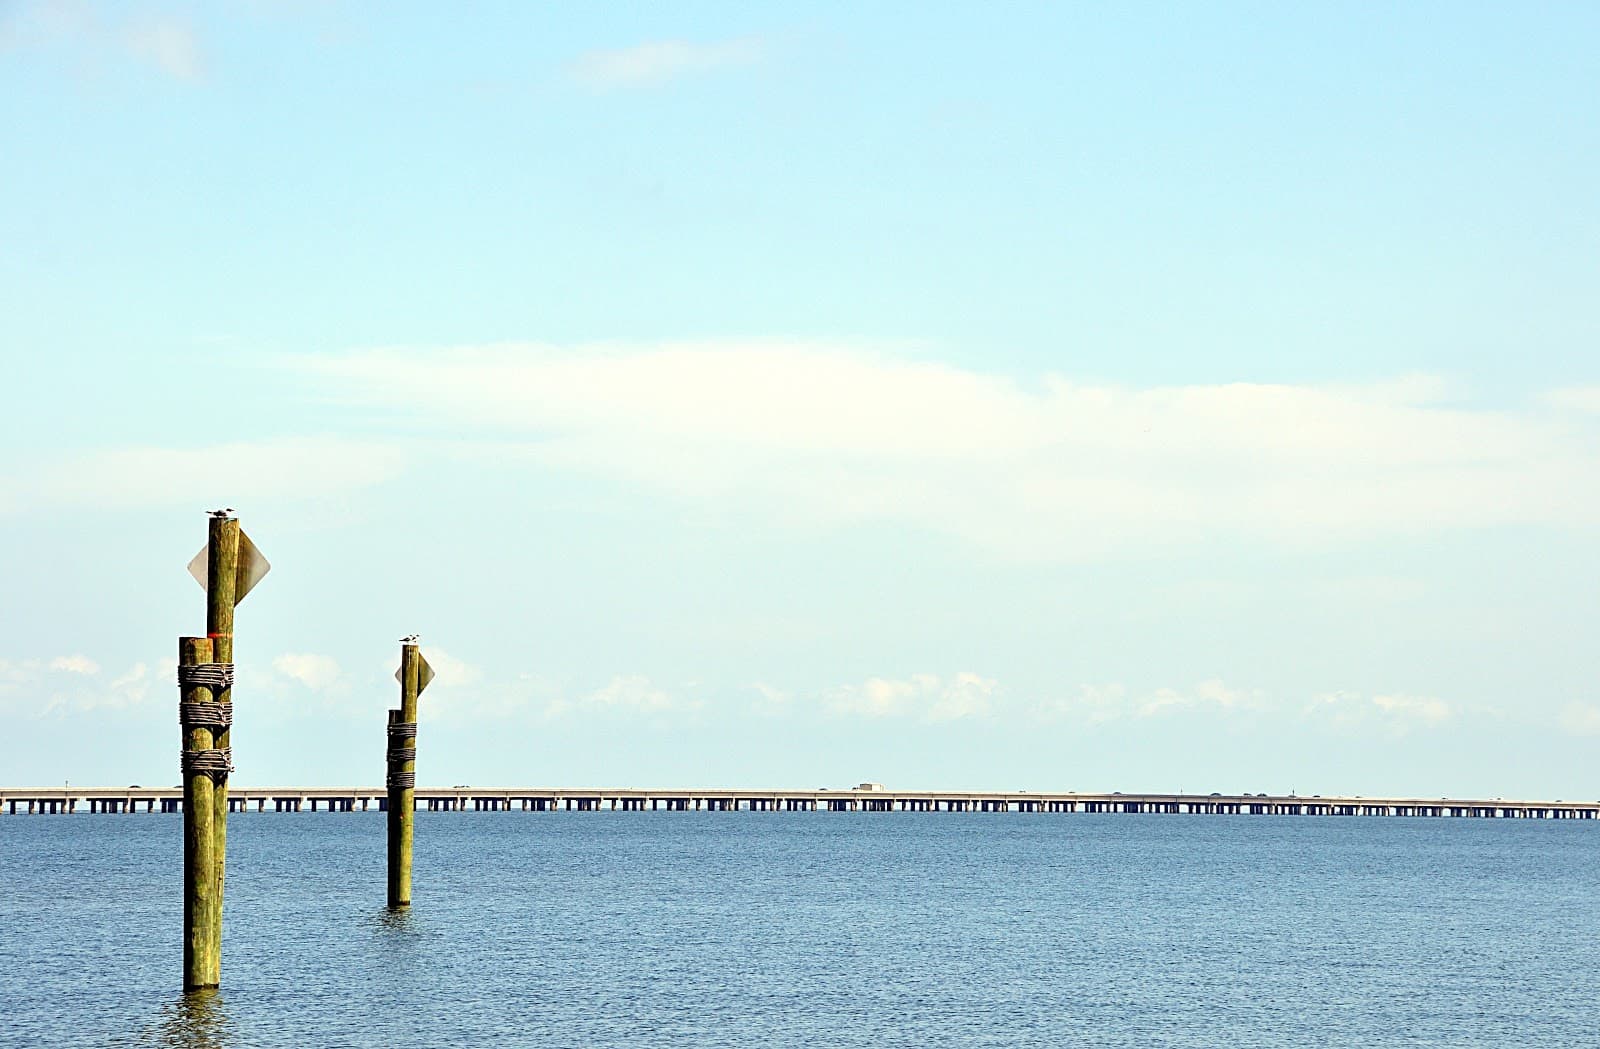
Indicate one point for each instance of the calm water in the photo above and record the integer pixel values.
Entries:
(757, 929)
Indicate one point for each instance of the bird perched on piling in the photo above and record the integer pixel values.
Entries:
(410, 639)
(226, 511)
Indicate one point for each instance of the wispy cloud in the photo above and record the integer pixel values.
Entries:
(87, 38)
(658, 61)
(323, 673)
(316, 672)
(318, 684)
(75, 665)
(170, 45)
(525, 697)
(1395, 713)
(450, 673)
(66, 685)
(770, 701)
(925, 696)
(1577, 399)
(1094, 703)
(1426, 709)
(1581, 718)
(256, 471)
(1042, 469)
(307, 684)
(632, 692)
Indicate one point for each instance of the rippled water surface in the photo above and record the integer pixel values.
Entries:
(790, 929)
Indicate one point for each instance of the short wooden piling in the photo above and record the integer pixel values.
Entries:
(201, 966)
(402, 777)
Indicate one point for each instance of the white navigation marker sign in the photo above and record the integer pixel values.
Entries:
(252, 567)
(424, 673)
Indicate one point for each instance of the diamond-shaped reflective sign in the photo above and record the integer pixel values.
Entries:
(424, 673)
(253, 567)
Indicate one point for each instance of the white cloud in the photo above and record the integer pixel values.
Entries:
(632, 692)
(1582, 718)
(528, 696)
(1392, 712)
(1096, 703)
(772, 701)
(966, 696)
(1049, 469)
(314, 671)
(1366, 589)
(257, 472)
(19, 676)
(71, 684)
(86, 38)
(364, 691)
(1426, 709)
(132, 688)
(880, 697)
(170, 45)
(1211, 694)
(1092, 703)
(1577, 399)
(459, 694)
(449, 672)
(924, 696)
(658, 61)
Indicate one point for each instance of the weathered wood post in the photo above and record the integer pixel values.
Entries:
(222, 574)
(200, 968)
(228, 567)
(402, 777)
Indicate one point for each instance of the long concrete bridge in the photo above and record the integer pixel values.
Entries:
(873, 798)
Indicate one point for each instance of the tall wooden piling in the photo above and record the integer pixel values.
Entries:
(402, 778)
(201, 963)
(228, 567)
(222, 573)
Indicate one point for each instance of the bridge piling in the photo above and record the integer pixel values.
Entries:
(110, 800)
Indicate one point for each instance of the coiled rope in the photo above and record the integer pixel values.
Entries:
(205, 715)
(214, 763)
(215, 676)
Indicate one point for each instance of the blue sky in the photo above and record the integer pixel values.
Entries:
(1041, 396)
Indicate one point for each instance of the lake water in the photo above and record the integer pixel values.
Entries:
(814, 929)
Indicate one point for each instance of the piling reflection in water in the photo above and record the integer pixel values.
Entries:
(197, 1020)
(394, 922)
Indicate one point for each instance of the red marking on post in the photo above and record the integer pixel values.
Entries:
(219, 635)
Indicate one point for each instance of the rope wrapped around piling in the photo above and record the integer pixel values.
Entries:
(214, 763)
(215, 676)
(402, 729)
(401, 755)
(402, 781)
(205, 715)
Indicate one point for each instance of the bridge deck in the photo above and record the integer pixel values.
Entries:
(18, 800)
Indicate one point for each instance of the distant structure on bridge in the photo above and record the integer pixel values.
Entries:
(867, 797)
